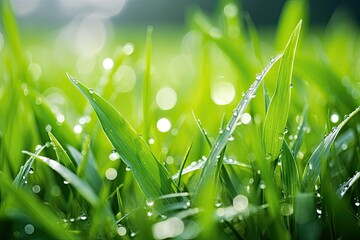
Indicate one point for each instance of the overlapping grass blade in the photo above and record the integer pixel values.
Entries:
(277, 115)
(289, 172)
(151, 176)
(208, 176)
(61, 154)
(300, 133)
(314, 164)
(347, 185)
(83, 188)
(33, 208)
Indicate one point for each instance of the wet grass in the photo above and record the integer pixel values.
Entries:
(256, 138)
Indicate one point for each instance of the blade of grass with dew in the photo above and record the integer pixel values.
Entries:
(26, 168)
(152, 177)
(83, 188)
(202, 130)
(347, 185)
(208, 177)
(291, 14)
(300, 133)
(184, 161)
(314, 164)
(33, 208)
(289, 172)
(61, 154)
(277, 115)
(146, 86)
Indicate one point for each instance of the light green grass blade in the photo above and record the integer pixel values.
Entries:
(208, 176)
(300, 133)
(346, 185)
(84, 189)
(61, 154)
(146, 105)
(151, 176)
(290, 173)
(276, 117)
(313, 167)
(33, 208)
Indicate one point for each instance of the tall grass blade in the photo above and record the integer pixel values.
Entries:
(151, 176)
(300, 133)
(84, 189)
(208, 177)
(347, 185)
(289, 171)
(314, 164)
(61, 154)
(277, 115)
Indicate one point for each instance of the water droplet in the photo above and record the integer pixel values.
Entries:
(128, 168)
(243, 94)
(357, 202)
(262, 185)
(114, 155)
(29, 229)
(36, 189)
(83, 217)
(31, 170)
(281, 136)
(66, 182)
(48, 128)
(221, 131)
(235, 112)
(151, 141)
(286, 209)
(268, 156)
(227, 128)
(149, 214)
(291, 85)
(218, 203)
(91, 91)
(150, 202)
(272, 60)
(310, 166)
(286, 130)
(258, 76)
(231, 138)
(333, 129)
(72, 219)
(38, 101)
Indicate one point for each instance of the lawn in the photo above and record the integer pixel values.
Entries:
(216, 130)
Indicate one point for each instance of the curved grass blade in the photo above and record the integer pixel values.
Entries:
(276, 117)
(152, 177)
(61, 154)
(300, 133)
(290, 173)
(208, 176)
(32, 207)
(313, 167)
(25, 169)
(346, 185)
(84, 189)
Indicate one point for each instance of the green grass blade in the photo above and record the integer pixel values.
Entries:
(84, 189)
(25, 169)
(33, 208)
(61, 154)
(314, 164)
(146, 86)
(151, 176)
(208, 177)
(276, 117)
(300, 133)
(289, 172)
(346, 185)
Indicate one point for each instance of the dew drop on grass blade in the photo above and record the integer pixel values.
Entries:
(208, 176)
(151, 176)
(314, 164)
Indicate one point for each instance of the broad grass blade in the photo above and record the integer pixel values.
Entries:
(277, 115)
(151, 176)
(313, 167)
(83, 188)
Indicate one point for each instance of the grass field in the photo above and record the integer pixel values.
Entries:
(216, 131)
